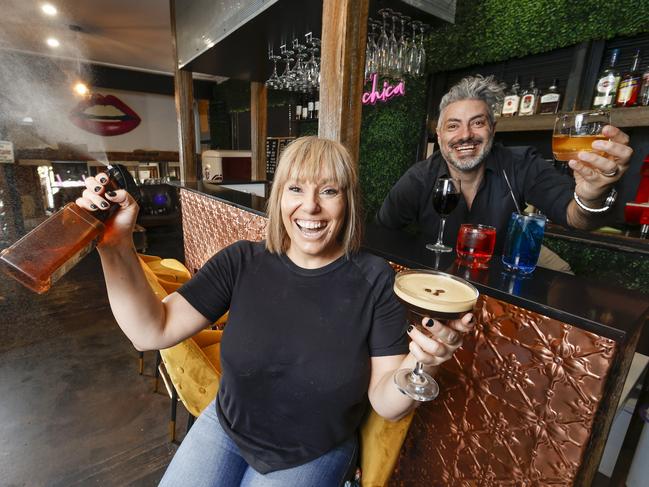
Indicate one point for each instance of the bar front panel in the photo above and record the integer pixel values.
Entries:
(210, 225)
(516, 406)
(517, 403)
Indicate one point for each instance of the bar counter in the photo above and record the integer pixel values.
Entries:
(530, 396)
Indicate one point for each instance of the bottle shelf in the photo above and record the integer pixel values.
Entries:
(620, 117)
(305, 120)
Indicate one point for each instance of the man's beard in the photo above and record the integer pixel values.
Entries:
(465, 164)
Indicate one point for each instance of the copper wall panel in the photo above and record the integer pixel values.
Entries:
(516, 407)
(210, 225)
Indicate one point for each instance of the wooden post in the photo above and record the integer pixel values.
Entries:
(258, 129)
(184, 98)
(344, 33)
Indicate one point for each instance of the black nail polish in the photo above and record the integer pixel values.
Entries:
(410, 328)
(103, 180)
(104, 204)
(94, 207)
(97, 189)
(111, 193)
(430, 323)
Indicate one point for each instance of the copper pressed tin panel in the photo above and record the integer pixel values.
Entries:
(516, 406)
(210, 225)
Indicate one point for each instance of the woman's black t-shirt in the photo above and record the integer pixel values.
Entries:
(296, 351)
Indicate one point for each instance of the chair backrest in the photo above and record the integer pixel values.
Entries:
(381, 442)
(195, 378)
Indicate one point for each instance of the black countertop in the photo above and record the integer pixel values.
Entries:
(245, 201)
(615, 241)
(608, 311)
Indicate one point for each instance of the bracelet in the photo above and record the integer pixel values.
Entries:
(610, 200)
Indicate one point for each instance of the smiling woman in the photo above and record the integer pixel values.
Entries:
(313, 205)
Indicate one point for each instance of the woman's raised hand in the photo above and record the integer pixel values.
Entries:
(119, 228)
(441, 340)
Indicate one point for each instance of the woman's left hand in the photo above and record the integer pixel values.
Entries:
(440, 341)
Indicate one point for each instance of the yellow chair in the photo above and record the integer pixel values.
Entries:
(192, 370)
(380, 444)
(192, 373)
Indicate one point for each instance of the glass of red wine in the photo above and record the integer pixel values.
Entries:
(446, 196)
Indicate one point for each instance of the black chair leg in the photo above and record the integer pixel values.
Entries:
(172, 421)
(140, 362)
(190, 421)
(158, 359)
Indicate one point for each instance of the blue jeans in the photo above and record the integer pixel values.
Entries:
(207, 457)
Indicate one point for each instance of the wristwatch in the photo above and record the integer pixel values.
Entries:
(608, 202)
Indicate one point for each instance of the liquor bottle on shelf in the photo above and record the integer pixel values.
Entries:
(644, 90)
(607, 83)
(512, 100)
(529, 100)
(298, 109)
(310, 107)
(550, 100)
(316, 106)
(629, 89)
(305, 111)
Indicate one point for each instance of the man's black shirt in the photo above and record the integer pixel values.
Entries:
(533, 180)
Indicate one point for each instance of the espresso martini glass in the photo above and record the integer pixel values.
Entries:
(430, 294)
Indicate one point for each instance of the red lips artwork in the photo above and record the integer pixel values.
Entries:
(104, 115)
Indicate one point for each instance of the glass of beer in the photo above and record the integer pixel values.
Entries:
(431, 294)
(576, 131)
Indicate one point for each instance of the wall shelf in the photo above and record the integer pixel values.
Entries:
(620, 117)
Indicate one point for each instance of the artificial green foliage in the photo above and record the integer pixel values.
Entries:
(622, 269)
(308, 127)
(220, 136)
(237, 94)
(390, 134)
(488, 31)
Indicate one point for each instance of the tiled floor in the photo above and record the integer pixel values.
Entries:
(73, 409)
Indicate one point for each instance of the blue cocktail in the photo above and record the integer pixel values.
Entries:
(523, 242)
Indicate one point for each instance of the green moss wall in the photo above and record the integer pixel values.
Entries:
(488, 31)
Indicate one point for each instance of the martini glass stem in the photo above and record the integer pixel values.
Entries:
(416, 375)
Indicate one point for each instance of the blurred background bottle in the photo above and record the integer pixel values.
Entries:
(550, 100)
(512, 100)
(629, 90)
(644, 90)
(529, 100)
(607, 83)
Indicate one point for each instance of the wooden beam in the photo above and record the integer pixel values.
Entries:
(344, 33)
(258, 129)
(184, 98)
(111, 156)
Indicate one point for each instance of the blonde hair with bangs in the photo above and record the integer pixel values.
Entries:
(313, 159)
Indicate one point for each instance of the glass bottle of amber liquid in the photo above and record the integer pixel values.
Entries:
(51, 249)
(629, 89)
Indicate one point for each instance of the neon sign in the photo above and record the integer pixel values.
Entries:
(387, 93)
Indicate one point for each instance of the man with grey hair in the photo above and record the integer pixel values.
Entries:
(465, 133)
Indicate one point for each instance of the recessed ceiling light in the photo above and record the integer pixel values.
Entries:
(49, 9)
(52, 42)
(80, 88)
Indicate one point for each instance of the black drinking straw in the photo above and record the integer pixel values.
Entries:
(511, 191)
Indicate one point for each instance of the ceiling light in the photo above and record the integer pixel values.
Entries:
(52, 42)
(81, 89)
(49, 9)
